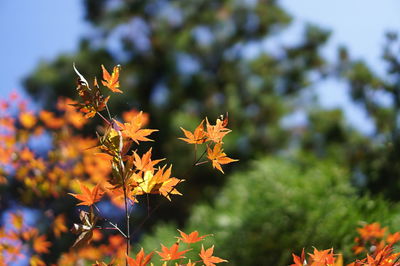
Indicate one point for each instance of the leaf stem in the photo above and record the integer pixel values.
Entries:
(105, 119)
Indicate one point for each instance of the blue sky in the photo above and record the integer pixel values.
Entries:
(35, 30)
(39, 30)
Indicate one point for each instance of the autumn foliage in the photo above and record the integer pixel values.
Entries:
(113, 168)
(110, 167)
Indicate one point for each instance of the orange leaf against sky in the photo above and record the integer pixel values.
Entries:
(218, 157)
(27, 119)
(199, 136)
(171, 253)
(17, 220)
(89, 197)
(208, 258)
(141, 259)
(111, 81)
(193, 237)
(134, 130)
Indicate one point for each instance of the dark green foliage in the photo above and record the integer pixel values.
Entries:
(279, 206)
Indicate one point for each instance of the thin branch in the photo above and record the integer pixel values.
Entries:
(105, 119)
(108, 112)
(108, 221)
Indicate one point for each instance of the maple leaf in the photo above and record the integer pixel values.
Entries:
(27, 119)
(40, 244)
(93, 100)
(145, 163)
(59, 225)
(141, 259)
(218, 157)
(171, 253)
(17, 220)
(85, 230)
(322, 258)
(167, 183)
(193, 237)
(88, 197)
(111, 81)
(148, 182)
(216, 132)
(36, 261)
(373, 230)
(385, 257)
(50, 120)
(199, 136)
(208, 258)
(393, 238)
(129, 115)
(299, 261)
(134, 130)
(190, 263)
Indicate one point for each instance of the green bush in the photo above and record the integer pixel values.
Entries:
(277, 207)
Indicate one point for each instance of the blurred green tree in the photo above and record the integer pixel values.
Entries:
(277, 207)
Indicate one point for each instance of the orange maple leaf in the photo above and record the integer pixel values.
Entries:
(134, 129)
(298, 261)
(141, 259)
(168, 183)
(216, 132)
(373, 230)
(145, 163)
(208, 258)
(199, 136)
(50, 120)
(27, 119)
(17, 220)
(322, 258)
(393, 238)
(111, 81)
(41, 245)
(59, 225)
(171, 253)
(35, 261)
(193, 237)
(218, 157)
(89, 197)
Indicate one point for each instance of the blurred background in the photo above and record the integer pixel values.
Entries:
(312, 92)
